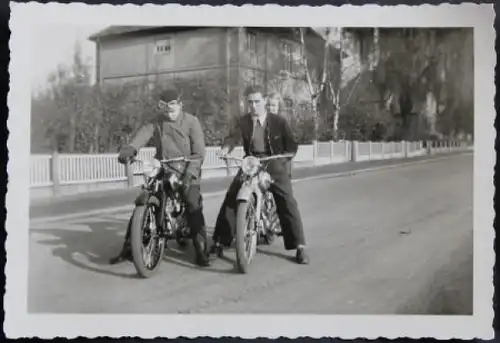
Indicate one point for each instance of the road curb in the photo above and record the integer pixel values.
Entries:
(130, 207)
(375, 169)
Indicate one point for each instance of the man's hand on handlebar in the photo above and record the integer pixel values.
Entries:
(224, 152)
(126, 154)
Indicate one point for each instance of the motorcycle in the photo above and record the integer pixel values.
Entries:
(159, 214)
(256, 215)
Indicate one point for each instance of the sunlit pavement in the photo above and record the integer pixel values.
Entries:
(388, 242)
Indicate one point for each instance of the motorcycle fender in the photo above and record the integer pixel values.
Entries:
(145, 198)
(154, 200)
(245, 193)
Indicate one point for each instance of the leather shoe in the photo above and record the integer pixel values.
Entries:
(122, 257)
(301, 256)
(202, 260)
(217, 250)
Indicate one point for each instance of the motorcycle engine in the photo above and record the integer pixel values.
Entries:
(173, 211)
(174, 206)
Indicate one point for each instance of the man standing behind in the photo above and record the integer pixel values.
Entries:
(263, 134)
(176, 134)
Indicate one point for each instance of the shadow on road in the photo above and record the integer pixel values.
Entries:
(281, 255)
(91, 245)
(186, 259)
(96, 241)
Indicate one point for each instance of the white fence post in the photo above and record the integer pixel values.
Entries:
(315, 151)
(129, 171)
(332, 151)
(354, 151)
(347, 147)
(55, 172)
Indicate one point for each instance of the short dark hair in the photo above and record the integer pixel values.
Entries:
(252, 89)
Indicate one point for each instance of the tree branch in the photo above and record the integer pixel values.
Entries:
(305, 64)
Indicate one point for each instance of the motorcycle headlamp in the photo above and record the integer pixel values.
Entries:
(151, 168)
(250, 165)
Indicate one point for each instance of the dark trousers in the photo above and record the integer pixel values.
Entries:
(195, 218)
(286, 206)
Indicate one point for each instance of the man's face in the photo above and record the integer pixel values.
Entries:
(170, 109)
(256, 104)
(273, 105)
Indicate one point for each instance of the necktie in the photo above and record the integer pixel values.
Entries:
(256, 125)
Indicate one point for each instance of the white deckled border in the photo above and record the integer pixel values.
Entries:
(19, 324)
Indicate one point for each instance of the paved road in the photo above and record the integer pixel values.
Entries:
(397, 241)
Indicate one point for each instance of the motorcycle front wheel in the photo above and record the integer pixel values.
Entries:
(246, 236)
(147, 258)
(271, 229)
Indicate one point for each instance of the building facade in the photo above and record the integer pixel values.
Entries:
(236, 56)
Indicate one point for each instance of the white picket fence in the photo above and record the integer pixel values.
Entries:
(94, 168)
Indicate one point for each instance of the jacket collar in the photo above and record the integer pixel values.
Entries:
(262, 119)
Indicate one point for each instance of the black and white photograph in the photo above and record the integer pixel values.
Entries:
(254, 171)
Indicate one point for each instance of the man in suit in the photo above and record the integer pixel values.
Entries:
(263, 134)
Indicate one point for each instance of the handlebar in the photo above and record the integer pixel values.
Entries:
(267, 158)
(170, 160)
(179, 159)
(276, 157)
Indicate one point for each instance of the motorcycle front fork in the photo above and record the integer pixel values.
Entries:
(269, 215)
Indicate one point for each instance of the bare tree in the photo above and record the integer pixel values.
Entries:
(316, 91)
(313, 59)
(348, 71)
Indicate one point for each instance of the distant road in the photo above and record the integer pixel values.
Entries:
(84, 202)
(397, 241)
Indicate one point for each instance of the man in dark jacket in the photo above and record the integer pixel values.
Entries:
(263, 134)
(176, 134)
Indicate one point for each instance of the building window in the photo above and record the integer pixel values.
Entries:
(287, 50)
(163, 47)
(287, 104)
(252, 42)
(305, 106)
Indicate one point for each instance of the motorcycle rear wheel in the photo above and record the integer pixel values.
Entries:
(139, 219)
(244, 252)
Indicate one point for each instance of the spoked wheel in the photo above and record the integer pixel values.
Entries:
(147, 245)
(246, 234)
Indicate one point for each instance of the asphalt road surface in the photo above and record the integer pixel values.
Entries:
(397, 241)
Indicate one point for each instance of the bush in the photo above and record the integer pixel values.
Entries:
(79, 118)
(301, 120)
